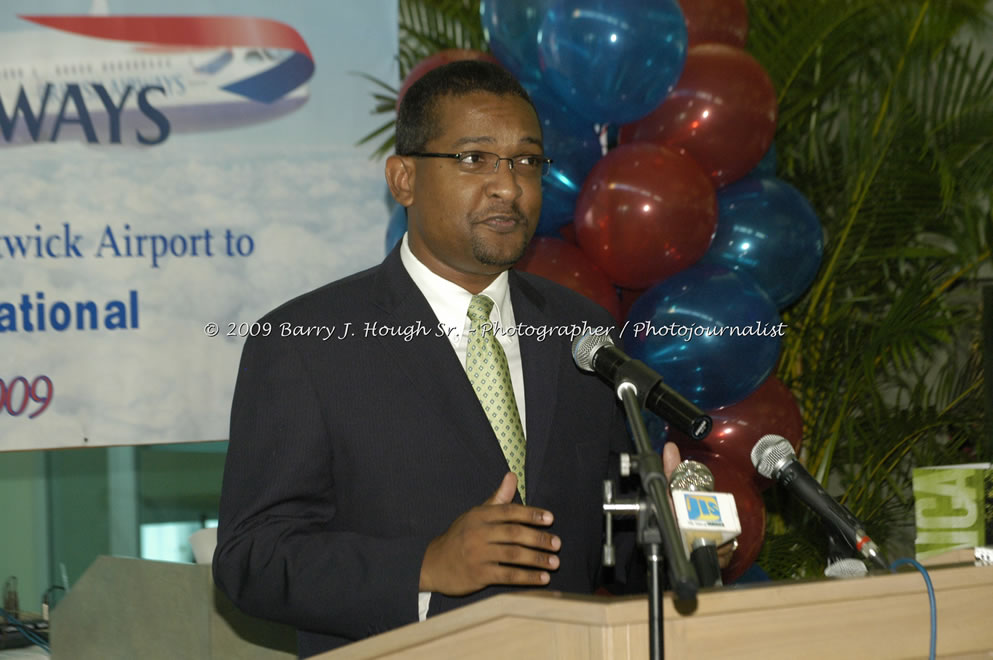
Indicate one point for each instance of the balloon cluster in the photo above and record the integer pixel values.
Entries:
(681, 229)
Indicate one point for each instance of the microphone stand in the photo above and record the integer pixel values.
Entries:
(656, 523)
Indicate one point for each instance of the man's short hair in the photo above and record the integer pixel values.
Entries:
(417, 122)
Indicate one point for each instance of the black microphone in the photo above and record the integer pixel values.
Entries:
(597, 352)
(774, 458)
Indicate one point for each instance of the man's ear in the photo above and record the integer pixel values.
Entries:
(400, 178)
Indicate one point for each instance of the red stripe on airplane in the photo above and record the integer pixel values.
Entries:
(203, 31)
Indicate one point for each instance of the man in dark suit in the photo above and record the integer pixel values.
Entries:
(368, 481)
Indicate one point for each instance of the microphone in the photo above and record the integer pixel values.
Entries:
(774, 458)
(840, 560)
(597, 352)
(705, 519)
(846, 568)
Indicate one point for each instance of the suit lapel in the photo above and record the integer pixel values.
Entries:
(541, 361)
(431, 367)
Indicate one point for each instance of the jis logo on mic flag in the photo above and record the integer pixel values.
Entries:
(703, 509)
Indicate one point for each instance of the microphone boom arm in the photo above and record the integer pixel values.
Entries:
(656, 487)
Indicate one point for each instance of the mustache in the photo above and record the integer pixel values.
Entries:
(513, 211)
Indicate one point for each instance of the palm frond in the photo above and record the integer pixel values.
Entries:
(886, 119)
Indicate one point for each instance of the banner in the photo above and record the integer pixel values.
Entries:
(953, 506)
(169, 172)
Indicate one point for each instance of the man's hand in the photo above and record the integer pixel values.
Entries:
(725, 551)
(670, 459)
(476, 550)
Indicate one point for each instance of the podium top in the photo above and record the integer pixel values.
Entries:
(882, 616)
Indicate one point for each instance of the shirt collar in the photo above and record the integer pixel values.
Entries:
(448, 300)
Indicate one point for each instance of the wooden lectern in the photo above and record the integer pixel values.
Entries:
(881, 616)
(131, 609)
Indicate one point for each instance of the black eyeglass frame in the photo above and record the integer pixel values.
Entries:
(546, 162)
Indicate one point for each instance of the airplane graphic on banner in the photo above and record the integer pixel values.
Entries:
(136, 80)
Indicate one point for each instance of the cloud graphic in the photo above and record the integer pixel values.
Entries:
(310, 218)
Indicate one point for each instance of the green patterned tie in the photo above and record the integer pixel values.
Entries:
(486, 366)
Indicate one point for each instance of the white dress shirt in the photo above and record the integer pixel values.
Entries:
(450, 302)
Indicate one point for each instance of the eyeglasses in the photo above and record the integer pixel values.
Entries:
(484, 162)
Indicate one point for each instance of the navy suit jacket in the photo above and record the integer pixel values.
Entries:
(347, 456)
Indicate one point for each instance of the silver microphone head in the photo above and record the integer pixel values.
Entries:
(585, 345)
(692, 475)
(770, 454)
(846, 568)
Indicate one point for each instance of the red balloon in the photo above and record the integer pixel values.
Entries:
(438, 59)
(722, 113)
(645, 213)
(716, 21)
(747, 500)
(567, 232)
(769, 409)
(566, 264)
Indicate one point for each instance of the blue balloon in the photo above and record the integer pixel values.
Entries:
(713, 334)
(658, 429)
(574, 145)
(766, 166)
(767, 228)
(396, 228)
(612, 61)
(511, 29)
(558, 208)
(561, 127)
